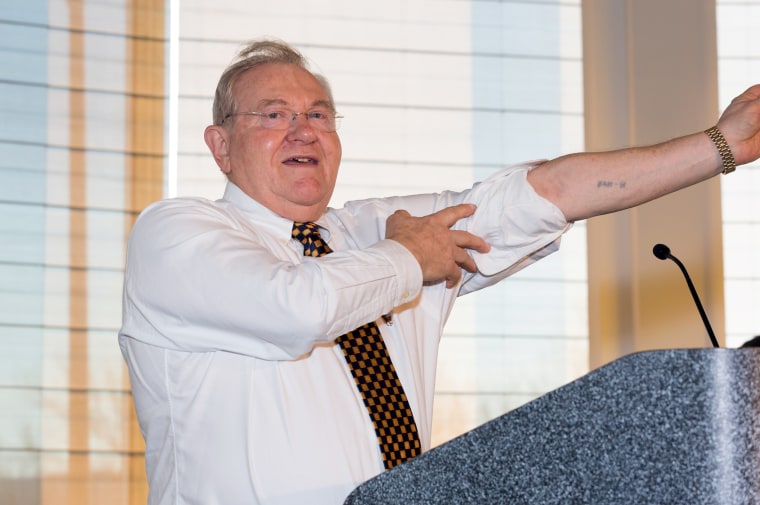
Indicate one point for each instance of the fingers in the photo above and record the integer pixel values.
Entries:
(467, 240)
(463, 242)
(752, 93)
(447, 217)
(461, 260)
(740, 125)
(450, 215)
(441, 252)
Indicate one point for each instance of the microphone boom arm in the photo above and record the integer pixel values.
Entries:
(662, 252)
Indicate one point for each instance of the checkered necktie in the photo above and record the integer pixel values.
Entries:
(374, 374)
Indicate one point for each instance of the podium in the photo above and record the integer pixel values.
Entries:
(659, 427)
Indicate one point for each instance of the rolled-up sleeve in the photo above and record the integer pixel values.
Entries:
(520, 225)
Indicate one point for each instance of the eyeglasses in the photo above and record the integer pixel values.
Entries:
(282, 119)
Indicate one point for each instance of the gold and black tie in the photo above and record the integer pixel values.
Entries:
(374, 374)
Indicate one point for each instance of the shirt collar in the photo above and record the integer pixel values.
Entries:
(261, 215)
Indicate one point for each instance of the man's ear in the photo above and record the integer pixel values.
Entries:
(216, 140)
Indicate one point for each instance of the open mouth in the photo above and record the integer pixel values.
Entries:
(301, 160)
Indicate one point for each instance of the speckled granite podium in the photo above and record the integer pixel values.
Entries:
(659, 427)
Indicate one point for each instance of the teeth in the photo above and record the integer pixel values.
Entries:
(302, 160)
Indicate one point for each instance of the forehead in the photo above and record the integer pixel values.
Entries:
(290, 84)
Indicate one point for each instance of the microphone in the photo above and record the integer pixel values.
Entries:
(662, 252)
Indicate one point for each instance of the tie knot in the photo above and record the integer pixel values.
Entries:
(308, 234)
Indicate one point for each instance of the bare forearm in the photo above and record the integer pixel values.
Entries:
(587, 185)
(590, 184)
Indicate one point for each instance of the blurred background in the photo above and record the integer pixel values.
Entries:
(103, 106)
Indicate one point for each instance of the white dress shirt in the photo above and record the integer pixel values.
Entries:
(241, 393)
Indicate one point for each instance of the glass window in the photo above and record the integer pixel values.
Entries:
(739, 68)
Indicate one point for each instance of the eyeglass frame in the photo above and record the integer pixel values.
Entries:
(293, 116)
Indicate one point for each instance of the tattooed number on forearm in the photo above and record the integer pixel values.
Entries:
(610, 184)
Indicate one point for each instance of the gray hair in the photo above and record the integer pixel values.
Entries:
(254, 54)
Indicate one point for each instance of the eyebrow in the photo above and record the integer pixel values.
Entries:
(279, 101)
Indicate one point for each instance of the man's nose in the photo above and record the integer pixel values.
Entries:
(300, 127)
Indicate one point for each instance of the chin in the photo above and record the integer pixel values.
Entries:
(310, 196)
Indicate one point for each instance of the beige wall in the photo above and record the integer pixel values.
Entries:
(650, 73)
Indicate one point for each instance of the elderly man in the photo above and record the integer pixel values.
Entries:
(283, 352)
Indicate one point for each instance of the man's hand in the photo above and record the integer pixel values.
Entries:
(441, 252)
(740, 125)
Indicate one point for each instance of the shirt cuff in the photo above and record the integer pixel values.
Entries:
(408, 270)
